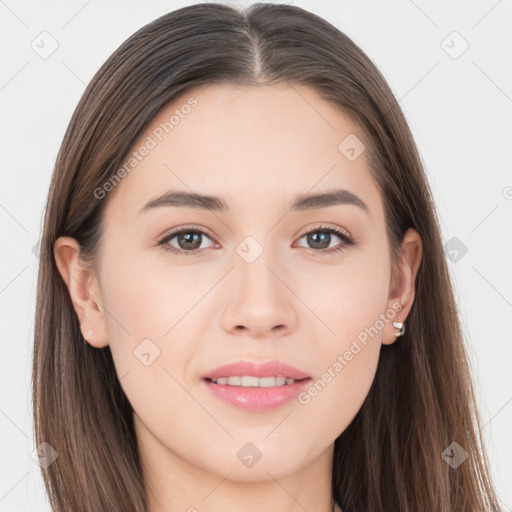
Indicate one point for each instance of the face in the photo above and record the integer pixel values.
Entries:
(185, 289)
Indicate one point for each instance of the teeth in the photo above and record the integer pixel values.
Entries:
(280, 380)
(250, 381)
(235, 381)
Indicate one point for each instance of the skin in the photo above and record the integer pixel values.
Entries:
(257, 148)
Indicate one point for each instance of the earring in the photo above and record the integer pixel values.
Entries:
(401, 328)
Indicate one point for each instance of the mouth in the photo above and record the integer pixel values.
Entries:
(251, 381)
(256, 387)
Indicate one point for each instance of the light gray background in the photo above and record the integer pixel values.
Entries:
(459, 108)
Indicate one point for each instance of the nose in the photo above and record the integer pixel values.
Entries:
(261, 303)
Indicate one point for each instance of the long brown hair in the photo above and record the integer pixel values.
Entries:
(422, 399)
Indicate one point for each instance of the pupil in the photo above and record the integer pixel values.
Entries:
(324, 237)
(186, 240)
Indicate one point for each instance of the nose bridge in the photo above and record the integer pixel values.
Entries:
(254, 260)
(260, 301)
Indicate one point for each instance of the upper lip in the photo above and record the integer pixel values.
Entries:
(267, 369)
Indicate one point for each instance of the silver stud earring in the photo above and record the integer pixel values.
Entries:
(401, 328)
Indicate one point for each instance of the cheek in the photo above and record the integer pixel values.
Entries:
(144, 296)
(351, 305)
(142, 307)
(150, 317)
(347, 298)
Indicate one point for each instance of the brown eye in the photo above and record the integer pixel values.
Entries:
(188, 241)
(321, 238)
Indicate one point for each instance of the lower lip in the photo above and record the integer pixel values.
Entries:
(257, 399)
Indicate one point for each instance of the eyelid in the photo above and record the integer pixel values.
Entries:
(325, 226)
(175, 231)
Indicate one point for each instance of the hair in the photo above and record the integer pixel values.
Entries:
(422, 398)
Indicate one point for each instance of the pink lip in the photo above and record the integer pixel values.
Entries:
(253, 398)
(268, 369)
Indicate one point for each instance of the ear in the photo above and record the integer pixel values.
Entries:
(84, 291)
(401, 293)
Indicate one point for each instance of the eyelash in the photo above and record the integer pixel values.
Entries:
(346, 240)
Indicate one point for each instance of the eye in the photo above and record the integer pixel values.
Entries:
(321, 237)
(189, 241)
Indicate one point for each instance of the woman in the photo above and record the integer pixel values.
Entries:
(243, 300)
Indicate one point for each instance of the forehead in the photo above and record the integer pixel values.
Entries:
(250, 145)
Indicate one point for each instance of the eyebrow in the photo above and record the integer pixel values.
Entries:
(177, 198)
